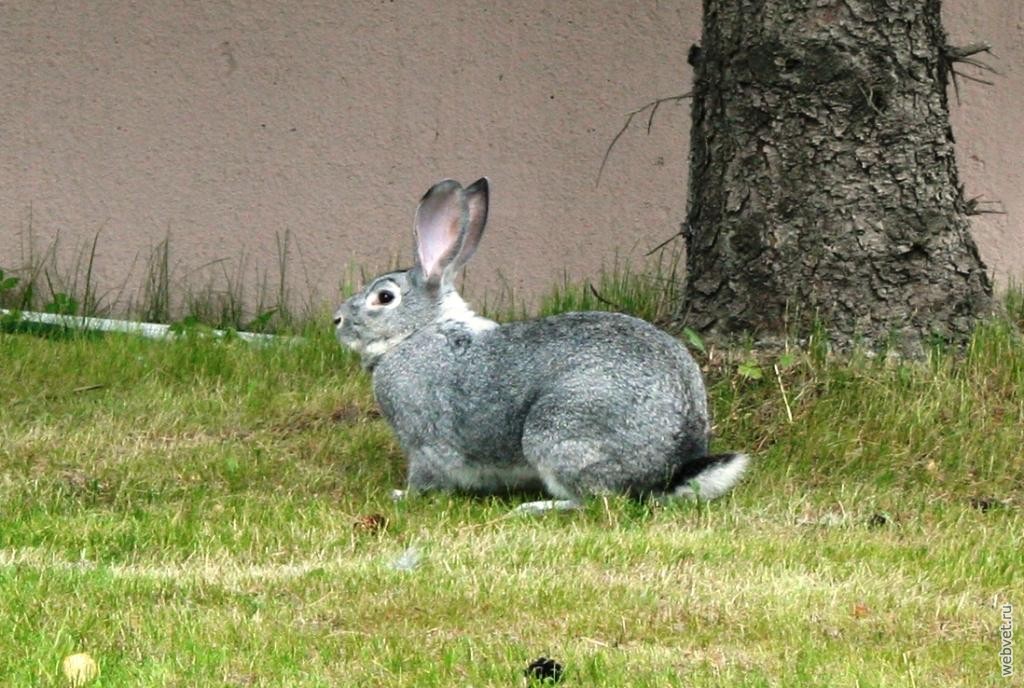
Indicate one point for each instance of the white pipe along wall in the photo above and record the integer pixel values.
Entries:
(143, 329)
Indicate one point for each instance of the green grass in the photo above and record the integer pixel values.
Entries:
(225, 293)
(206, 512)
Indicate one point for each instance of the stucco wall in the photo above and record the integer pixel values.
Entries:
(225, 124)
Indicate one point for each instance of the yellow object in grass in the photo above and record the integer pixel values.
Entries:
(80, 669)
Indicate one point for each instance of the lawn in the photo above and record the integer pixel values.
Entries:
(206, 512)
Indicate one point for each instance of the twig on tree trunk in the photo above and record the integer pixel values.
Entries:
(965, 54)
(653, 106)
(972, 206)
(952, 54)
(680, 233)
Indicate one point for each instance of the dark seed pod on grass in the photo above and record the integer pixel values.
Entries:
(544, 670)
(984, 504)
(371, 523)
(878, 520)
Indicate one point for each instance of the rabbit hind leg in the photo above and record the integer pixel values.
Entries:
(572, 470)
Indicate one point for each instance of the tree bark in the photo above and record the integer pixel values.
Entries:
(823, 182)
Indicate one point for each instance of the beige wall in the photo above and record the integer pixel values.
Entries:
(224, 123)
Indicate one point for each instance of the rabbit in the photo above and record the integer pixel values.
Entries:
(571, 405)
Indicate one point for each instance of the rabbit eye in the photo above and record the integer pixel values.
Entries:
(385, 293)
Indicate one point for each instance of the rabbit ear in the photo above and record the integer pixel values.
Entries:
(437, 230)
(477, 196)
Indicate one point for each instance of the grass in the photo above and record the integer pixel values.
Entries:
(206, 512)
(226, 293)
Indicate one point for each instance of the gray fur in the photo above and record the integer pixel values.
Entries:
(575, 404)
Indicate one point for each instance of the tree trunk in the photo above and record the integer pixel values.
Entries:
(823, 184)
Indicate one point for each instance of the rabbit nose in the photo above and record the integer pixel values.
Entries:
(338, 319)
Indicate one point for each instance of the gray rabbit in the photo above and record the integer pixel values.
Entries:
(575, 405)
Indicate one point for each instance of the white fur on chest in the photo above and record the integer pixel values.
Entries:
(455, 309)
(378, 348)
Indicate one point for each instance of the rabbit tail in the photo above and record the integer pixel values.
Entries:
(708, 477)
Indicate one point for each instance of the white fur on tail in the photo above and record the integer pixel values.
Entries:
(715, 480)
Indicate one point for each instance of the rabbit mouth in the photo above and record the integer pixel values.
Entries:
(349, 338)
(345, 334)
